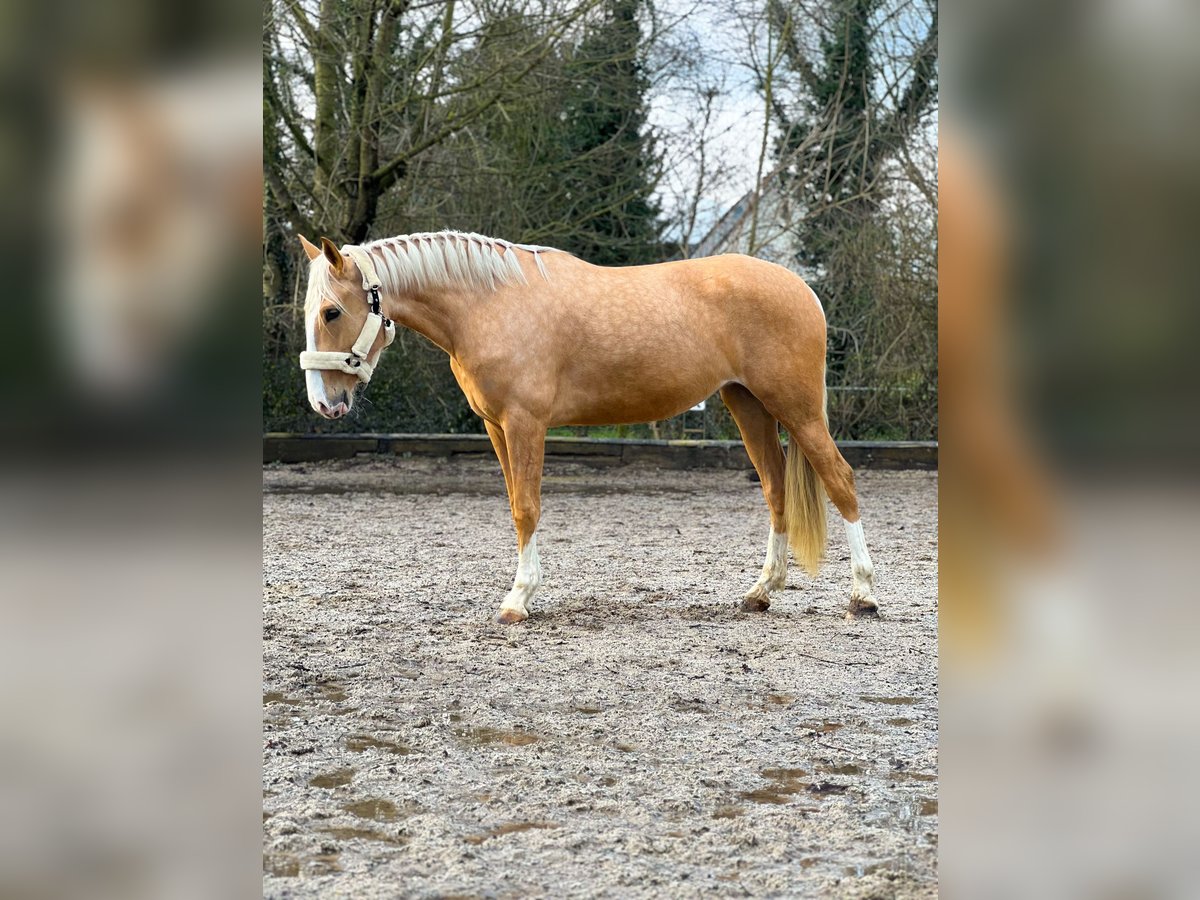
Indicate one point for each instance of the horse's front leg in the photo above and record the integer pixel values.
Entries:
(525, 441)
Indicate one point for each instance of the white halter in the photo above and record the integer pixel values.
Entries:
(356, 362)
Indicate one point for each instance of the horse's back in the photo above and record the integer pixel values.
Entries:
(731, 284)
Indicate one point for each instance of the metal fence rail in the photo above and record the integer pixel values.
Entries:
(598, 452)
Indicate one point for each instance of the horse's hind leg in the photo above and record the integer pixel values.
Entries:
(760, 433)
(818, 446)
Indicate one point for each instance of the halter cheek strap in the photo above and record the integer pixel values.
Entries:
(355, 363)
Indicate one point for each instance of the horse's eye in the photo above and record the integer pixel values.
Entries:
(332, 313)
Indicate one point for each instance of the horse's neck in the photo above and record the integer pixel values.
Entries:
(435, 313)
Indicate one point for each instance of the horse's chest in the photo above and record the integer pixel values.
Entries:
(484, 395)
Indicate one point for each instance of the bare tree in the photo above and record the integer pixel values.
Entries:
(378, 97)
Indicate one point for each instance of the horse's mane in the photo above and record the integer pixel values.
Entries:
(435, 259)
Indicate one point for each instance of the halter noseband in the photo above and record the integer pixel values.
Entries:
(356, 362)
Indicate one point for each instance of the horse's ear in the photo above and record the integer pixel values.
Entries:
(311, 250)
(333, 254)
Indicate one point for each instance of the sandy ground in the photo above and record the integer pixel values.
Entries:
(639, 736)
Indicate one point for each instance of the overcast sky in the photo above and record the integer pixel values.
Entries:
(719, 43)
(718, 34)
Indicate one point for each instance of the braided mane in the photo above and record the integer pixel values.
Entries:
(444, 258)
(436, 259)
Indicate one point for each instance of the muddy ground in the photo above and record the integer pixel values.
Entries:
(639, 736)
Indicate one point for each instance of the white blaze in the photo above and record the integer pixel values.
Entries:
(312, 377)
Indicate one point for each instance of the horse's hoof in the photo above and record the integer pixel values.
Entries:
(511, 616)
(862, 608)
(756, 600)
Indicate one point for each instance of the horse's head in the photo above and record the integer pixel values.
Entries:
(344, 323)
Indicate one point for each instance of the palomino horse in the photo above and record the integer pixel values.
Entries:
(539, 338)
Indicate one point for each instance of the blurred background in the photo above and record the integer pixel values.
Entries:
(130, 538)
(1068, 446)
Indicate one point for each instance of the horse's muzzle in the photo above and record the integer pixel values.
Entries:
(336, 411)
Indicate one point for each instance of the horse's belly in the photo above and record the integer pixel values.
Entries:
(624, 400)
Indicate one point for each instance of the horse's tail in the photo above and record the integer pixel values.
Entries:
(804, 503)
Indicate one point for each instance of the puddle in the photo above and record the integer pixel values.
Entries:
(776, 795)
(890, 701)
(510, 828)
(277, 697)
(784, 784)
(373, 808)
(364, 834)
(783, 774)
(821, 727)
(332, 779)
(928, 808)
(281, 865)
(844, 769)
(482, 735)
(826, 788)
(333, 692)
(357, 743)
(914, 776)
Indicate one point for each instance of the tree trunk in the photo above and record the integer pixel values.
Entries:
(326, 69)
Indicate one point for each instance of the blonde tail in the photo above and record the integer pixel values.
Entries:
(804, 507)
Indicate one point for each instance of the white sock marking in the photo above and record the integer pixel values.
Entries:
(774, 571)
(860, 561)
(529, 577)
(774, 574)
